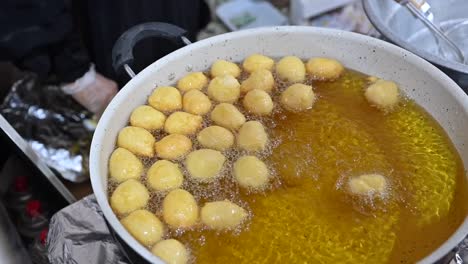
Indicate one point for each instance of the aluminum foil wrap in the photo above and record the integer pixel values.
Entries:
(57, 128)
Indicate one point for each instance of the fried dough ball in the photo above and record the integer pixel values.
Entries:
(166, 99)
(194, 80)
(291, 69)
(260, 79)
(147, 117)
(216, 137)
(324, 69)
(173, 146)
(144, 227)
(183, 123)
(164, 175)
(196, 102)
(383, 94)
(223, 67)
(124, 165)
(257, 62)
(298, 97)
(251, 173)
(252, 136)
(227, 116)
(258, 102)
(204, 165)
(180, 210)
(368, 184)
(137, 140)
(222, 215)
(224, 89)
(171, 251)
(129, 196)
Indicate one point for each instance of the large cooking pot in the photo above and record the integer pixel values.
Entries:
(420, 80)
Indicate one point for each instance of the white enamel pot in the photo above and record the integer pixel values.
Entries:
(420, 80)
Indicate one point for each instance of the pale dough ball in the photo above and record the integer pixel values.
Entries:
(164, 175)
(204, 165)
(252, 136)
(368, 184)
(137, 140)
(324, 69)
(147, 117)
(144, 227)
(222, 215)
(298, 97)
(180, 210)
(257, 62)
(166, 99)
(291, 69)
(216, 137)
(171, 251)
(251, 173)
(260, 79)
(223, 67)
(383, 94)
(258, 102)
(194, 80)
(224, 89)
(196, 102)
(183, 123)
(173, 146)
(129, 196)
(228, 116)
(124, 165)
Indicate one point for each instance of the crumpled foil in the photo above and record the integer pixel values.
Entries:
(58, 129)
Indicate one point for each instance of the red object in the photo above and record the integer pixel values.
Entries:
(21, 184)
(43, 236)
(34, 208)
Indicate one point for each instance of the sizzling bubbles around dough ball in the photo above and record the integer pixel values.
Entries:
(258, 102)
(194, 80)
(204, 165)
(171, 251)
(137, 140)
(251, 173)
(216, 137)
(173, 147)
(252, 137)
(324, 69)
(124, 165)
(196, 102)
(224, 89)
(260, 79)
(166, 99)
(180, 210)
(222, 215)
(291, 69)
(383, 94)
(147, 117)
(183, 123)
(298, 97)
(368, 184)
(164, 175)
(227, 116)
(129, 196)
(257, 62)
(144, 227)
(223, 67)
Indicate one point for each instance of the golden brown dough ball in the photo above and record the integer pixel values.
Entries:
(166, 99)
(137, 140)
(183, 123)
(298, 97)
(216, 137)
(222, 215)
(204, 165)
(368, 184)
(258, 102)
(251, 173)
(144, 227)
(252, 137)
(164, 175)
(260, 79)
(224, 89)
(196, 102)
(223, 67)
(383, 94)
(173, 146)
(324, 69)
(129, 196)
(180, 210)
(147, 117)
(291, 69)
(228, 116)
(194, 80)
(257, 62)
(171, 251)
(124, 165)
